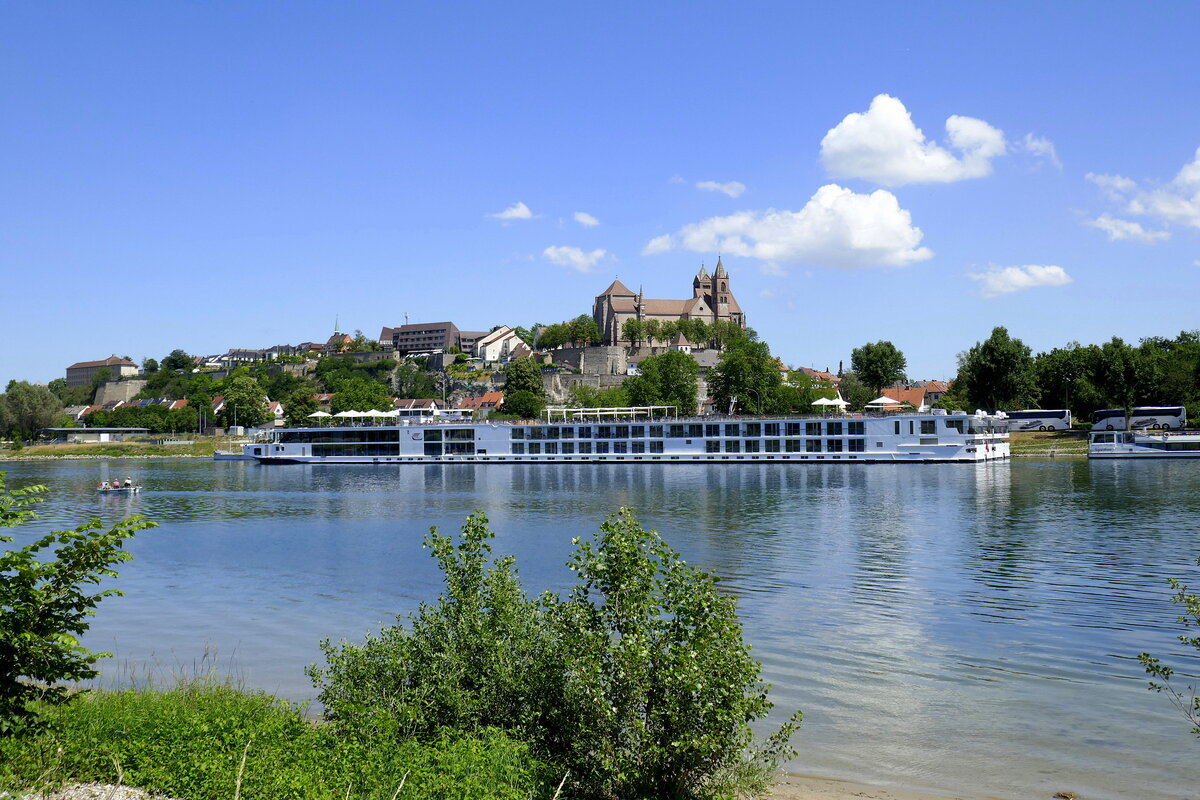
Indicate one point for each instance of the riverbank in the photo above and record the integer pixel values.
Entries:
(1048, 444)
(200, 447)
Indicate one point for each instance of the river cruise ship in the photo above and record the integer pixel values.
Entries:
(644, 434)
(1143, 444)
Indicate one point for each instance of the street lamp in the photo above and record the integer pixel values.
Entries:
(757, 396)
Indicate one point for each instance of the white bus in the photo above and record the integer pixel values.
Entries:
(1039, 419)
(1155, 417)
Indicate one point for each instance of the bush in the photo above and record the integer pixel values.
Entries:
(637, 684)
(1186, 700)
(44, 605)
(191, 741)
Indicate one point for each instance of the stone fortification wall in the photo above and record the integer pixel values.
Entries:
(112, 391)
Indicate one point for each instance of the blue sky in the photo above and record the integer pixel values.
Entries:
(214, 175)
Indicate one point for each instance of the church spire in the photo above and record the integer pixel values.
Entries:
(720, 269)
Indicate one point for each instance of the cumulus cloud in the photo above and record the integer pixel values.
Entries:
(1174, 203)
(732, 188)
(1042, 148)
(517, 210)
(1119, 229)
(586, 220)
(836, 228)
(1005, 280)
(883, 145)
(574, 257)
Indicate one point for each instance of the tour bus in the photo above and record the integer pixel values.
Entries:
(1156, 417)
(1039, 419)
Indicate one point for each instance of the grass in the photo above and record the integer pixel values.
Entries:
(1049, 443)
(201, 447)
(209, 741)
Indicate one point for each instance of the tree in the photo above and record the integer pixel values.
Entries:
(30, 408)
(878, 364)
(582, 396)
(997, 373)
(669, 378)
(363, 344)
(298, 406)
(45, 604)
(638, 683)
(178, 361)
(149, 366)
(747, 373)
(583, 330)
(245, 402)
(1120, 373)
(633, 330)
(523, 375)
(554, 336)
(523, 404)
(360, 394)
(1187, 700)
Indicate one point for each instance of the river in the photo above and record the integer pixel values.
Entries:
(968, 629)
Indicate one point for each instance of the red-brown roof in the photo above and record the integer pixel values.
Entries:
(111, 361)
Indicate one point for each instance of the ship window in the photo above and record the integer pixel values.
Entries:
(518, 449)
(637, 431)
(855, 428)
(621, 447)
(656, 447)
(833, 429)
(535, 448)
(754, 429)
(833, 445)
(752, 445)
(676, 431)
(712, 430)
(928, 426)
(857, 446)
(812, 429)
(568, 433)
(712, 446)
(518, 433)
(601, 447)
(696, 430)
(794, 445)
(928, 440)
(433, 449)
(433, 436)
(812, 446)
(585, 432)
(956, 424)
(551, 433)
(621, 432)
(772, 445)
(793, 428)
(551, 448)
(771, 429)
(568, 448)
(638, 447)
(656, 431)
(732, 446)
(460, 449)
(585, 448)
(536, 432)
(910, 427)
(733, 429)
(460, 435)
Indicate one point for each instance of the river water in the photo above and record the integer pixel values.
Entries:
(957, 628)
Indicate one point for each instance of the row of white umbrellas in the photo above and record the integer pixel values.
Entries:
(344, 414)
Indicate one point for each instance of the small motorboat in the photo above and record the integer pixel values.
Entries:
(119, 490)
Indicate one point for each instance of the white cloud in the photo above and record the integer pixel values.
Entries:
(1119, 229)
(836, 228)
(574, 258)
(1004, 280)
(732, 188)
(659, 244)
(676, 179)
(883, 145)
(771, 268)
(1174, 203)
(1041, 147)
(517, 210)
(586, 220)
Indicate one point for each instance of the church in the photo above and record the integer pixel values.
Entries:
(711, 300)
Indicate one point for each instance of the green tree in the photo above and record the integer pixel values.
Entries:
(1186, 700)
(360, 394)
(45, 603)
(70, 395)
(413, 382)
(523, 375)
(855, 392)
(583, 330)
(582, 396)
(245, 401)
(878, 364)
(178, 361)
(362, 343)
(554, 336)
(1120, 373)
(523, 404)
(30, 408)
(652, 330)
(149, 366)
(633, 330)
(298, 406)
(669, 378)
(636, 684)
(997, 373)
(746, 373)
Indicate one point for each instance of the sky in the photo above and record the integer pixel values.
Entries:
(208, 176)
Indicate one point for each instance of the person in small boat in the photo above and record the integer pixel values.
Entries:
(104, 486)
(128, 482)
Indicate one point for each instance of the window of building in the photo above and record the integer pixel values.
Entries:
(638, 447)
(754, 429)
(712, 431)
(656, 447)
(551, 448)
(794, 445)
(833, 446)
(752, 445)
(585, 432)
(518, 433)
(833, 428)
(771, 429)
(928, 426)
(857, 446)
(733, 446)
(585, 448)
(812, 446)
(677, 431)
(620, 447)
(601, 447)
(733, 429)
(793, 428)
(712, 446)
(772, 445)
(855, 427)
(568, 448)
(656, 431)
(812, 429)
(518, 448)
(535, 448)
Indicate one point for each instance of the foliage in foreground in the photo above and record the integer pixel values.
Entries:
(45, 603)
(1186, 700)
(637, 684)
(190, 743)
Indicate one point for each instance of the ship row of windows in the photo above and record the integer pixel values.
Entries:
(727, 446)
(697, 430)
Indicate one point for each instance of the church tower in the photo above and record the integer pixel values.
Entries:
(721, 291)
(702, 287)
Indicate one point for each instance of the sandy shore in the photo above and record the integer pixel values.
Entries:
(792, 786)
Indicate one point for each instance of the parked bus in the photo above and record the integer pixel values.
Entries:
(1156, 417)
(1039, 419)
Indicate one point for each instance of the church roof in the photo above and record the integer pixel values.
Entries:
(616, 288)
(721, 273)
(702, 275)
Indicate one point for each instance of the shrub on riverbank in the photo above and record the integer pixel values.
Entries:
(207, 741)
(637, 684)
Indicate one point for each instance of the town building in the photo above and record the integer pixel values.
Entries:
(711, 300)
(81, 373)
